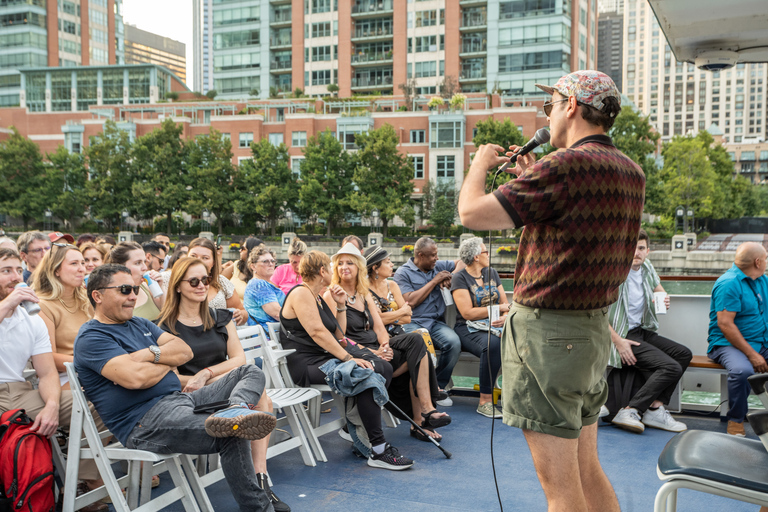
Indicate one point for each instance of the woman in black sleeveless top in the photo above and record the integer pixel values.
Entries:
(414, 382)
(308, 325)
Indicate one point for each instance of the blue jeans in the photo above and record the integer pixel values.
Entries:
(171, 427)
(477, 344)
(448, 343)
(739, 369)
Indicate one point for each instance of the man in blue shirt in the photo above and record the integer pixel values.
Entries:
(738, 327)
(421, 280)
(125, 366)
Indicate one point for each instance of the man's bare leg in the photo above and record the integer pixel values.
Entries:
(598, 490)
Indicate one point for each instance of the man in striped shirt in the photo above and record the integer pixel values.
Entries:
(633, 333)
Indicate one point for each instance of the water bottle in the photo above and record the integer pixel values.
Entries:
(32, 307)
(154, 287)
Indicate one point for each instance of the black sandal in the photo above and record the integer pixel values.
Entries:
(434, 422)
(425, 437)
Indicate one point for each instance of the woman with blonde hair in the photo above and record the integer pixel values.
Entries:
(64, 305)
(213, 339)
(94, 254)
(287, 276)
(133, 256)
(417, 391)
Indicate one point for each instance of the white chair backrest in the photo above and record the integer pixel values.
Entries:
(274, 333)
(80, 406)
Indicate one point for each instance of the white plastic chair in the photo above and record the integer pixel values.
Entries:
(189, 489)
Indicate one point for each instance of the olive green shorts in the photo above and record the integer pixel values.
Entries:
(553, 365)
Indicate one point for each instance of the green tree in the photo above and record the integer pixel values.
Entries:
(160, 161)
(440, 204)
(505, 134)
(22, 174)
(212, 176)
(265, 183)
(688, 177)
(383, 176)
(109, 164)
(65, 181)
(326, 180)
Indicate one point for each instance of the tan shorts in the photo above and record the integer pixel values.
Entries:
(553, 364)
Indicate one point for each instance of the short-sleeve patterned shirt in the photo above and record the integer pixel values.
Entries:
(581, 210)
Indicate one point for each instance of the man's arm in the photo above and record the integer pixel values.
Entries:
(477, 209)
(174, 351)
(624, 347)
(725, 321)
(660, 288)
(138, 370)
(416, 297)
(49, 387)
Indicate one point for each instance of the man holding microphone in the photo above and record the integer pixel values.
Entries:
(581, 208)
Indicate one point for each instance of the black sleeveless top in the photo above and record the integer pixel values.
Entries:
(360, 327)
(293, 335)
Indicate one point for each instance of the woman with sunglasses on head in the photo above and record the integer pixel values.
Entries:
(474, 288)
(133, 256)
(94, 255)
(263, 299)
(308, 325)
(213, 339)
(221, 291)
(417, 390)
(241, 274)
(287, 275)
(64, 306)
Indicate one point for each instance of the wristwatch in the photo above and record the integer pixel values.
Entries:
(155, 350)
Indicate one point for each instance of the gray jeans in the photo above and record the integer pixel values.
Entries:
(171, 427)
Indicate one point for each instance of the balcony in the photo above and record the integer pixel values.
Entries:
(474, 22)
(473, 3)
(371, 8)
(281, 18)
(372, 35)
(472, 48)
(279, 42)
(372, 82)
(472, 75)
(280, 66)
(280, 2)
(366, 59)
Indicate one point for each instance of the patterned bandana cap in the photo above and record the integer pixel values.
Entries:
(589, 87)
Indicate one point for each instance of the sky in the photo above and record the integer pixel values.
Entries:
(168, 18)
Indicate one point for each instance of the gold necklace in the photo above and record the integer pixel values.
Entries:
(66, 308)
(190, 320)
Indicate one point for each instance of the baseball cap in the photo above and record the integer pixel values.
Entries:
(58, 235)
(588, 86)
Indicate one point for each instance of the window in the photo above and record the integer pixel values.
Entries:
(418, 136)
(418, 166)
(296, 167)
(226, 136)
(322, 77)
(236, 15)
(236, 39)
(446, 134)
(321, 29)
(275, 139)
(245, 139)
(321, 6)
(422, 69)
(299, 139)
(426, 18)
(446, 165)
(426, 44)
(321, 53)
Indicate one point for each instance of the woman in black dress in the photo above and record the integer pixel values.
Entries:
(308, 325)
(212, 336)
(406, 352)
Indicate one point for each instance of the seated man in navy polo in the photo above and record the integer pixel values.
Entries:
(420, 280)
(126, 364)
(738, 327)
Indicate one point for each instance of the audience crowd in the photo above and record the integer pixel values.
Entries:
(349, 308)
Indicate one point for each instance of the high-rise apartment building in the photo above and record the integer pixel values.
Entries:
(375, 46)
(142, 47)
(45, 33)
(682, 99)
(202, 49)
(610, 39)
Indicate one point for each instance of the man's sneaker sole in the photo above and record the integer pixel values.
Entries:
(383, 465)
(631, 428)
(248, 426)
(663, 427)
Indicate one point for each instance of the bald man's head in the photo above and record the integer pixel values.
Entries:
(747, 254)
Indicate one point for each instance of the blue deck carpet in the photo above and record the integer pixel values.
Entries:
(465, 482)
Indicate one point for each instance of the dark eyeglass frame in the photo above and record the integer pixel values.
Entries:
(195, 281)
(125, 289)
(42, 249)
(547, 107)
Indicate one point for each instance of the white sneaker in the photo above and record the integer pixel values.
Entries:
(345, 435)
(629, 419)
(603, 412)
(445, 403)
(660, 418)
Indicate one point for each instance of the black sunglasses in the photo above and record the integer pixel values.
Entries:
(548, 106)
(194, 281)
(125, 289)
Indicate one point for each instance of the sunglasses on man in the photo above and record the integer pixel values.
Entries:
(125, 289)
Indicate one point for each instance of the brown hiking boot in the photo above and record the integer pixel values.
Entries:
(736, 429)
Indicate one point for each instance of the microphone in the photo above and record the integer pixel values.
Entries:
(540, 137)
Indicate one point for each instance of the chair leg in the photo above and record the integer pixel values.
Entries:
(305, 450)
(194, 483)
(309, 429)
(180, 480)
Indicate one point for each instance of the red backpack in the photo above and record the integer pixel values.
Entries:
(26, 466)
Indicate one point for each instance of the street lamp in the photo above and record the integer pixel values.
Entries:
(124, 220)
(48, 224)
(206, 216)
(375, 219)
(289, 218)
